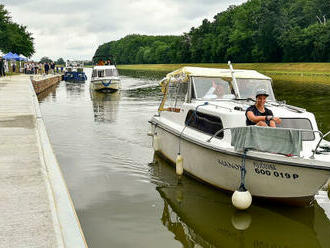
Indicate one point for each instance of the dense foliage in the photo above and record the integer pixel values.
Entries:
(45, 60)
(134, 49)
(14, 37)
(256, 31)
(60, 61)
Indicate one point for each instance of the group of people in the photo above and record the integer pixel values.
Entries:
(102, 62)
(39, 68)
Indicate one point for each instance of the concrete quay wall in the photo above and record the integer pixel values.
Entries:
(42, 83)
(36, 208)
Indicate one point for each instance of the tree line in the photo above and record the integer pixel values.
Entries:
(14, 37)
(255, 31)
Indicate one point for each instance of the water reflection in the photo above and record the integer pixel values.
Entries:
(51, 90)
(105, 105)
(74, 89)
(201, 216)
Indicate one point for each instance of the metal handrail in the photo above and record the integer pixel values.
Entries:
(219, 131)
(296, 129)
(317, 146)
(234, 82)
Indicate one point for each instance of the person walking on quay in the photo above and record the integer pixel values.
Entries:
(14, 67)
(25, 68)
(2, 68)
(46, 68)
(52, 66)
(41, 71)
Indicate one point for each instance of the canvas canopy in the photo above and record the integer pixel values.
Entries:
(182, 75)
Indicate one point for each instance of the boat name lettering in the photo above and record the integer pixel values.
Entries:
(262, 165)
(228, 164)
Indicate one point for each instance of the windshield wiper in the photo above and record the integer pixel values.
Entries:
(245, 99)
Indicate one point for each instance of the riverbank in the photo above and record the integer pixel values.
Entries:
(36, 208)
(274, 68)
(293, 72)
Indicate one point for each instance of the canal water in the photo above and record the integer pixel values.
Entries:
(125, 196)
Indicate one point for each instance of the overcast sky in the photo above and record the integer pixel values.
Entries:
(73, 29)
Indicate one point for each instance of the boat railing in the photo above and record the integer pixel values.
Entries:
(318, 144)
(295, 129)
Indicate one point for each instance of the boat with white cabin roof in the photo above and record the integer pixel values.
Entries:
(207, 136)
(105, 78)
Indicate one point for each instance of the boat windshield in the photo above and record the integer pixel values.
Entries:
(212, 88)
(248, 87)
(111, 72)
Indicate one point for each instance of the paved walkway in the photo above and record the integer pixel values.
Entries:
(35, 206)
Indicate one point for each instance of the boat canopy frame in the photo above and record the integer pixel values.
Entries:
(186, 73)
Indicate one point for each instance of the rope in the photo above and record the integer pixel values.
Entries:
(243, 172)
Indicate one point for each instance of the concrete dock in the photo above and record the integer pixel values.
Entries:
(35, 206)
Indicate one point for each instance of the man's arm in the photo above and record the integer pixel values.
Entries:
(255, 118)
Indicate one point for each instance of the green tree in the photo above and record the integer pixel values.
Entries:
(255, 31)
(45, 60)
(14, 37)
(60, 61)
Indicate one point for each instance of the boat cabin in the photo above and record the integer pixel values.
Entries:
(212, 99)
(105, 71)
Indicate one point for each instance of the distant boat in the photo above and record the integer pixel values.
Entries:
(74, 72)
(105, 78)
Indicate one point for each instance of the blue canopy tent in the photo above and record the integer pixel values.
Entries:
(9, 56)
(12, 56)
(16, 57)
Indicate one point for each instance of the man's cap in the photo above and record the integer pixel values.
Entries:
(261, 92)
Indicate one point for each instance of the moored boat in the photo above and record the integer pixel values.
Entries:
(74, 72)
(105, 78)
(289, 163)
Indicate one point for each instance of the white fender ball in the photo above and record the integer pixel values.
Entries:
(241, 199)
(179, 165)
(155, 143)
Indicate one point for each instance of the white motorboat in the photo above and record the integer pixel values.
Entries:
(105, 78)
(289, 163)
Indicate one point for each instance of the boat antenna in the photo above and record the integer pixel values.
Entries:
(234, 80)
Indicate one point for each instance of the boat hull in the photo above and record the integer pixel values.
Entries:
(276, 180)
(105, 85)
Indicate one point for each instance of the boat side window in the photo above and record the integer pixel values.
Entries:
(299, 123)
(94, 73)
(108, 72)
(100, 73)
(206, 123)
(176, 96)
(111, 72)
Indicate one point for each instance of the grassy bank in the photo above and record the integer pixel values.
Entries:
(267, 68)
